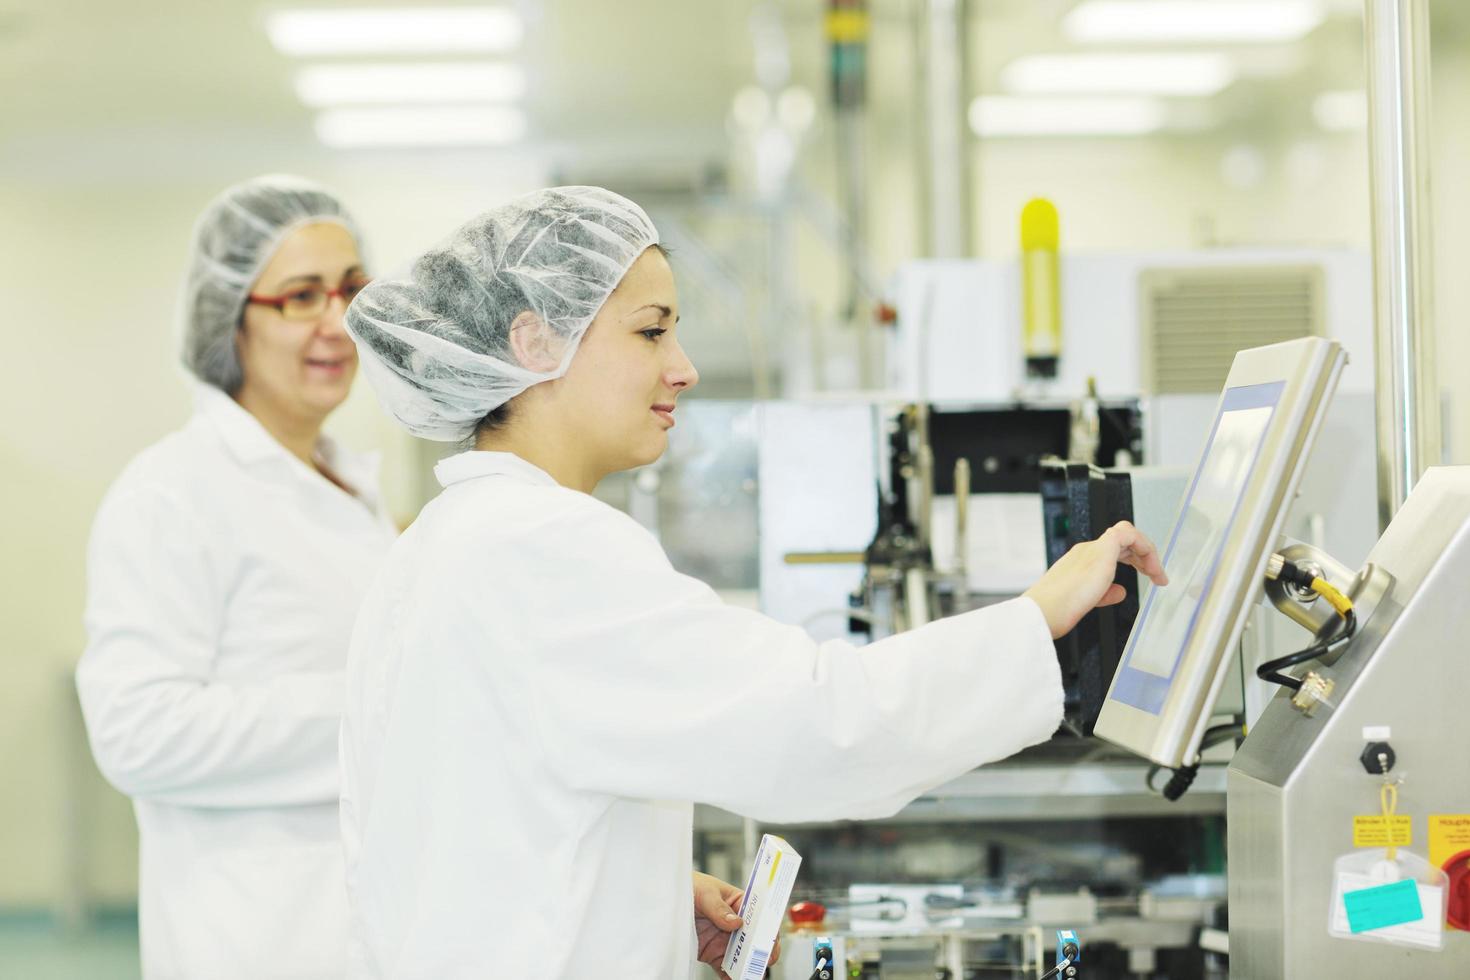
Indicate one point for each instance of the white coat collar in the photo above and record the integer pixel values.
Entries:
(240, 431)
(250, 443)
(479, 462)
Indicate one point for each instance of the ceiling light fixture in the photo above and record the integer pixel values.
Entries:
(1198, 21)
(1151, 73)
(395, 31)
(999, 115)
(320, 86)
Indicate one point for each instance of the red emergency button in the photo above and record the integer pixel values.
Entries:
(1458, 911)
(808, 914)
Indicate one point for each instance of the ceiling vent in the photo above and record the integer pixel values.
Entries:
(1195, 319)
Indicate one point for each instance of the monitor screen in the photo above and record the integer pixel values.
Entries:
(1252, 455)
(1192, 556)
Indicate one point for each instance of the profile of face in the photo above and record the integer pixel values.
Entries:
(619, 394)
(298, 362)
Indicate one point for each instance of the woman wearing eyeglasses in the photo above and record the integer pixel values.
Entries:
(225, 569)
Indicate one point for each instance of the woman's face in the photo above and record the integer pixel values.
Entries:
(620, 390)
(301, 369)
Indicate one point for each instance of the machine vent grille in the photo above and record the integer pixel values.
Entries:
(1194, 320)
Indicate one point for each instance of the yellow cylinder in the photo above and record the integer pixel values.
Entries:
(1041, 287)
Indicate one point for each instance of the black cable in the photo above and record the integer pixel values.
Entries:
(1069, 957)
(1271, 670)
(1180, 782)
(1301, 577)
(1183, 777)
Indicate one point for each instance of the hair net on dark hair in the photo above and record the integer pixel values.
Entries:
(233, 240)
(436, 344)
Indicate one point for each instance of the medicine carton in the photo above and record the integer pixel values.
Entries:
(762, 909)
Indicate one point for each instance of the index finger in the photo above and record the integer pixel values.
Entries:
(1135, 549)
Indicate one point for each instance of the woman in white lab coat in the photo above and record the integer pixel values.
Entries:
(225, 567)
(536, 698)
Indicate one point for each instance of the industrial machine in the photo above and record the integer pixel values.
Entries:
(1349, 799)
(1367, 733)
(1087, 833)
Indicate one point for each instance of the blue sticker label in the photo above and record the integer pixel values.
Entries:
(1383, 906)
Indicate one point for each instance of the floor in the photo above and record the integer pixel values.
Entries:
(33, 947)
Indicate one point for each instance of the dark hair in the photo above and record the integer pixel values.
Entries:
(497, 418)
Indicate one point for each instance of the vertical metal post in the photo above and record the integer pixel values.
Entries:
(848, 29)
(946, 142)
(1408, 408)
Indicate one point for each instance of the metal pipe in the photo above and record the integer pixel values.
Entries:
(1408, 409)
(924, 473)
(946, 144)
(847, 31)
(915, 598)
(961, 514)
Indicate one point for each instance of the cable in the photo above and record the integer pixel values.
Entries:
(1271, 670)
(1180, 782)
(1069, 951)
(1056, 970)
(1278, 567)
(1183, 777)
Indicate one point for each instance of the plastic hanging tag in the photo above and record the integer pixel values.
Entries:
(1378, 899)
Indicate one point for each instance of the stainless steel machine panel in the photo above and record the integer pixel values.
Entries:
(1297, 782)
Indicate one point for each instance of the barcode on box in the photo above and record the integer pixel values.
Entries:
(756, 968)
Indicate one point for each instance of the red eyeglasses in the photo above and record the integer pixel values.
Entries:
(310, 301)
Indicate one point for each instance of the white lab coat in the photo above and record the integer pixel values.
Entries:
(535, 697)
(223, 577)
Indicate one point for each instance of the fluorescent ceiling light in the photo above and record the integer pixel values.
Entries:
(486, 125)
(357, 84)
(999, 115)
(1200, 21)
(1155, 73)
(1343, 111)
(395, 31)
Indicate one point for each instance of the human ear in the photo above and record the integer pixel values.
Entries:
(533, 344)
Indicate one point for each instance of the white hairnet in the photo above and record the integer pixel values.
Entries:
(436, 344)
(233, 240)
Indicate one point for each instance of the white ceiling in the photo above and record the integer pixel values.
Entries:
(191, 92)
(96, 79)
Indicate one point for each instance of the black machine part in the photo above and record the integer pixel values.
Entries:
(1378, 758)
(1006, 446)
(1078, 503)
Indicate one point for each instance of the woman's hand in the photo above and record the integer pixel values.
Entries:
(716, 908)
(1082, 579)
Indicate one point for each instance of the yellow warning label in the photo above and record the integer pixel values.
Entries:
(1449, 834)
(1381, 831)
